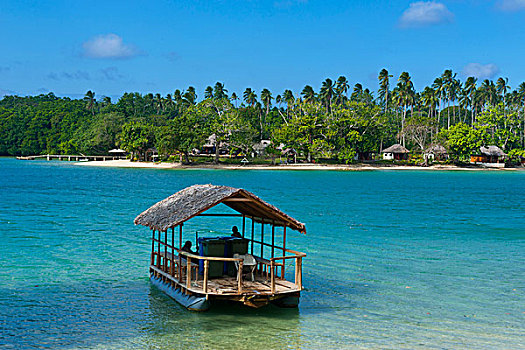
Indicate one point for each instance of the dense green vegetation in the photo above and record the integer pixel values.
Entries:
(333, 124)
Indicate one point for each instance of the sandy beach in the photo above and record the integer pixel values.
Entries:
(302, 166)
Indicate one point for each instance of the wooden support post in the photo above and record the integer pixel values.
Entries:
(188, 274)
(158, 250)
(180, 259)
(253, 229)
(239, 277)
(172, 264)
(299, 273)
(262, 239)
(153, 248)
(272, 276)
(166, 251)
(205, 282)
(243, 225)
(284, 252)
(273, 237)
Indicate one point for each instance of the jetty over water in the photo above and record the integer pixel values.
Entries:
(71, 157)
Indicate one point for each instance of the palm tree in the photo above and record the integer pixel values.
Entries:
(289, 98)
(190, 96)
(407, 96)
(250, 97)
(358, 91)
(308, 94)
(234, 98)
(208, 93)
(90, 101)
(219, 91)
(521, 94)
(327, 93)
(266, 98)
(470, 89)
(502, 85)
(384, 86)
(158, 102)
(341, 88)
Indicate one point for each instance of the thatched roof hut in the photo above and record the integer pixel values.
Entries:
(196, 199)
(492, 151)
(436, 149)
(397, 148)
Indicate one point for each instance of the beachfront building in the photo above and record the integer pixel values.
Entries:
(395, 152)
(209, 146)
(490, 156)
(436, 153)
(259, 148)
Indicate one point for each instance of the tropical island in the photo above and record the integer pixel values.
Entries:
(448, 121)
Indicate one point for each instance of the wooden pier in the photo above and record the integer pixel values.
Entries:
(71, 157)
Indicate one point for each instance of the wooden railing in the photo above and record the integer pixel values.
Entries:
(164, 264)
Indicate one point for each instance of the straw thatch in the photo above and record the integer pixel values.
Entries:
(196, 199)
(397, 148)
(436, 149)
(492, 151)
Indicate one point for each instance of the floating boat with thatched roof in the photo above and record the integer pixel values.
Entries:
(248, 267)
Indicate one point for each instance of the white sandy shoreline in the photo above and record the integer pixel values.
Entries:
(357, 167)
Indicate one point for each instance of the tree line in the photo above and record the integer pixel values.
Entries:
(337, 122)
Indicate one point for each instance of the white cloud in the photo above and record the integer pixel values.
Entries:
(511, 5)
(425, 13)
(108, 46)
(481, 71)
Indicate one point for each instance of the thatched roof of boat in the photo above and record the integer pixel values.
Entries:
(436, 149)
(397, 148)
(492, 151)
(196, 199)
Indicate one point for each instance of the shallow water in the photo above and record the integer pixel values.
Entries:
(430, 260)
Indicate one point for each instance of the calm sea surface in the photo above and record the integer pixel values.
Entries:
(396, 260)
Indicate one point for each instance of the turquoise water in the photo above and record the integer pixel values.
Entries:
(396, 260)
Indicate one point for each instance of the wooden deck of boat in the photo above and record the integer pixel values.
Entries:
(228, 286)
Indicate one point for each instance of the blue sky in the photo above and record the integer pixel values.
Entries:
(112, 47)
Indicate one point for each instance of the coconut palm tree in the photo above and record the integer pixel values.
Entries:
(219, 91)
(407, 96)
(327, 93)
(356, 94)
(521, 95)
(502, 86)
(308, 94)
(384, 86)
(190, 96)
(289, 98)
(90, 101)
(250, 97)
(208, 93)
(234, 98)
(266, 98)
(341, 88)
(469, 90)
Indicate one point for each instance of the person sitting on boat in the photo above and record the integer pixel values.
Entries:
(187, 248)
(236, 232)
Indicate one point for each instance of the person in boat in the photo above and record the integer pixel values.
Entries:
(236, 232)
(187, 248)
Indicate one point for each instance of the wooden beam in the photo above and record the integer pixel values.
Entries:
(223, 214)
(238, 200)
(239, 277)
(273, 239)
(253, 229)
(262, 240)
(205, 282)
(284, 252)
(188, 274)
(243, 225)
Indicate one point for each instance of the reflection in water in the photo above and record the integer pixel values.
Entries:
(225, 325)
